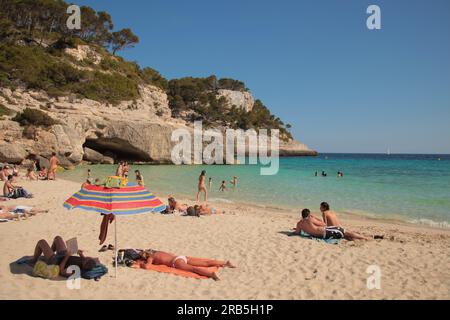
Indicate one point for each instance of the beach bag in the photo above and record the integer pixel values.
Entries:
(95, 273)
(131, 254)
(116, 182)
(42, 270)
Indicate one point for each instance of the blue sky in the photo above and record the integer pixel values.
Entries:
(315, 64)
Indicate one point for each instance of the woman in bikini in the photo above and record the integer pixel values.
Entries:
(202, 186)
(190, 264)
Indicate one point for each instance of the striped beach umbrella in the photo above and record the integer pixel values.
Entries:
(132, 199)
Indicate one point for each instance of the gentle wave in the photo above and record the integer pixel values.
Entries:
(431, 223)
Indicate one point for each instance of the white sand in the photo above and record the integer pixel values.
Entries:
(414, 264)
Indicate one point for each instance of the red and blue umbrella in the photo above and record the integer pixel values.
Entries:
(132, 199)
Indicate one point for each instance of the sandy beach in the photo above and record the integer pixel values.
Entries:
(414, 260)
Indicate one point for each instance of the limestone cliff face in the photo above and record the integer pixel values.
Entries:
(241, 99)
(90, 131)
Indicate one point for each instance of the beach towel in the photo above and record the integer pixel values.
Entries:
(308, 236)
(140, 264)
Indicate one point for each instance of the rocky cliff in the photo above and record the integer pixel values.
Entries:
(86, 130)
(90, 131)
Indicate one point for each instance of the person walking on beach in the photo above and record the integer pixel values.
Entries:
(330, 219)
(54, 162)
(202, 186)
(190, 264)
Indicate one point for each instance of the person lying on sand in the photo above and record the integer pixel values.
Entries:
(22, 209)
(205, 210)
(184, 263)
(317, 228)
(57, 254)
(17, 212)
(175, 206)
(330, 219)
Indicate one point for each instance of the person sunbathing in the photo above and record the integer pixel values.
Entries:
(330, 219)
(317, 228)
(30, 211)
(205, 210)
(57, 254)
(175, 206)
(190, 264)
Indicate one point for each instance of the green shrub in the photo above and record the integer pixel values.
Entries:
(112, 88)
(34, 117)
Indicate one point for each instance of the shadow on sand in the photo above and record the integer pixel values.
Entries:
(27, 269)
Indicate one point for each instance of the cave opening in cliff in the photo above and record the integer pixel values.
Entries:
(117, 149)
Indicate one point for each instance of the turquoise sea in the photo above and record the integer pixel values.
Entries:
(414, 188)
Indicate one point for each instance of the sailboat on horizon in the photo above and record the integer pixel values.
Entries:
(388, 151)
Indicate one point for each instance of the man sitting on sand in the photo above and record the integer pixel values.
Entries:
(57, 254)
(316, 227)
(184, 263)
(330, 219)
(13, 192)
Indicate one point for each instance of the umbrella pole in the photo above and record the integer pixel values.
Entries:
(115, 246)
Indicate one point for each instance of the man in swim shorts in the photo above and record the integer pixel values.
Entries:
(317, 228)
(332, 222)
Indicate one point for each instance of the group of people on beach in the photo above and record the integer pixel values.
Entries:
(34, 173)
(56, 253)
(202, 185)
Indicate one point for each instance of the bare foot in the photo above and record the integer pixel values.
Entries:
(215, 277)
(229, 265)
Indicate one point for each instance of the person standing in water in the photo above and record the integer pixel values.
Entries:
(223, 186)
(54, 162)
(202, 186)
(210, 183)
(119, 170)
(234, 181)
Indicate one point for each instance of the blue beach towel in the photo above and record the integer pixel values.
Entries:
(308, 236)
